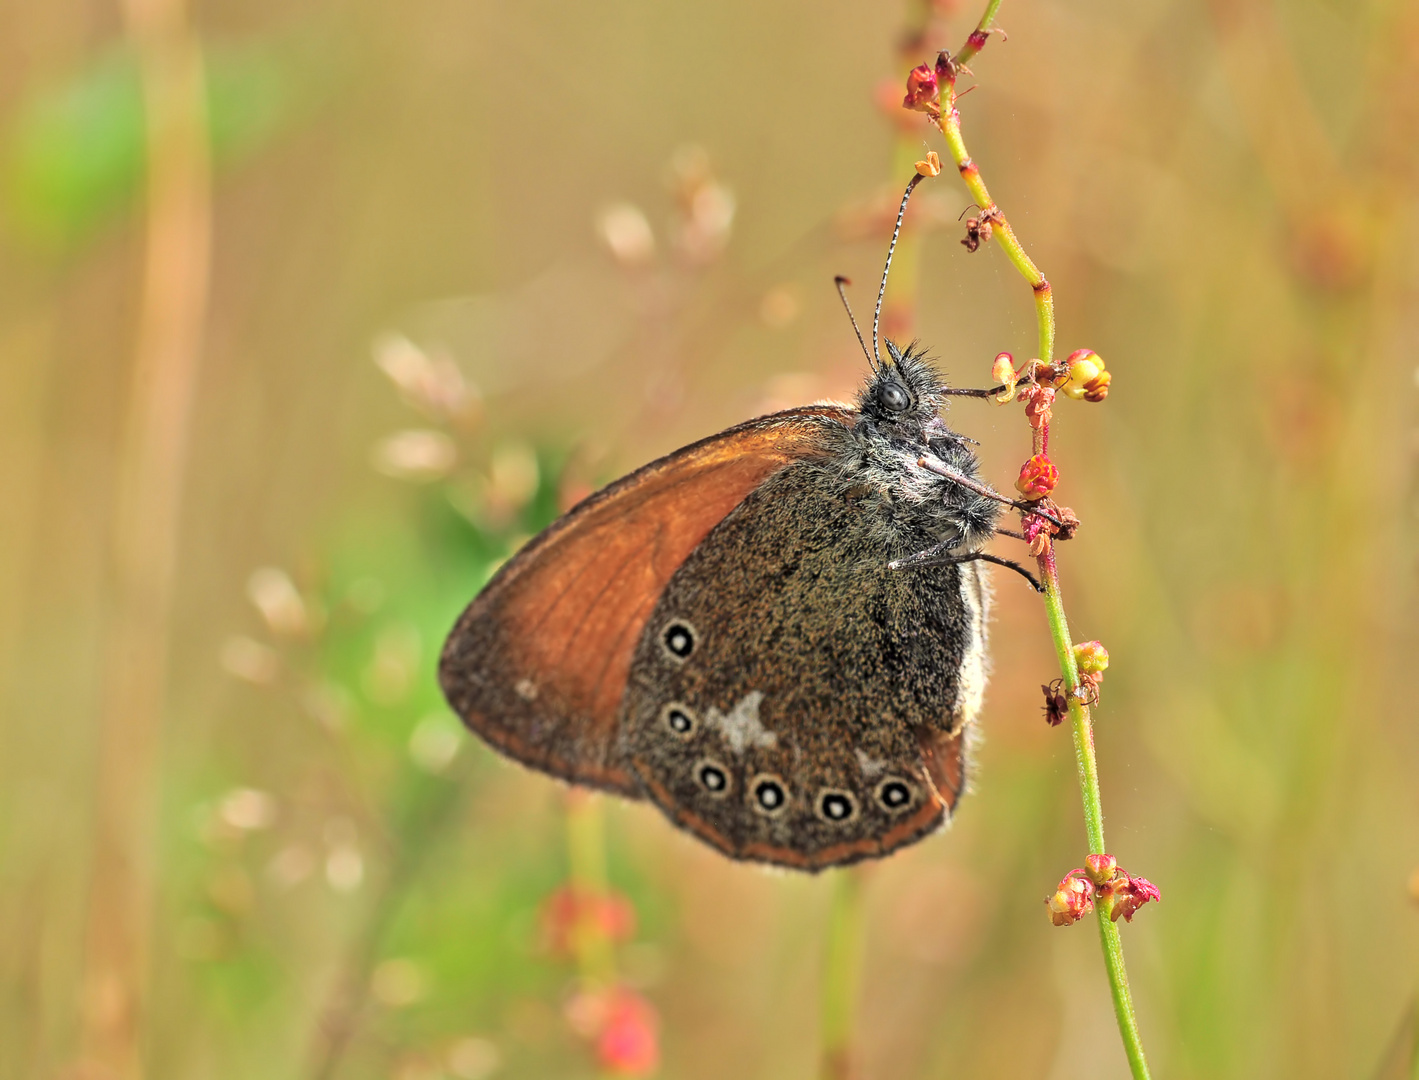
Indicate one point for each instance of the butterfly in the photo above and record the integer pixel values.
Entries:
(776, 635)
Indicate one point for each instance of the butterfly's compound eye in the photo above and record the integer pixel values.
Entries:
(770, 796)
(836, 806)
(712, 777)
(894, 397)
(895, 795)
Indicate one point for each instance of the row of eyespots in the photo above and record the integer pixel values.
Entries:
(769, 794)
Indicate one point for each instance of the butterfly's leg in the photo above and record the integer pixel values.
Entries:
(935, 555)
(989, 492)
(940, 555)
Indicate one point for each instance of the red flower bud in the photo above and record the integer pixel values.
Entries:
(922, 89)
(1038, 477)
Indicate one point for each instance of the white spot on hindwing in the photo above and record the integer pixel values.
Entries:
(741, 727)
(526, 689)
(869, 765)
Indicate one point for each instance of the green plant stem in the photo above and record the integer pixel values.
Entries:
(1082, 728)
(949, 121)
(841, 964)
(586, 852)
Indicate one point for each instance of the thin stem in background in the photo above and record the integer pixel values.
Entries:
(586, 854)
(150, 463)
(842, 969)
(1080, 722)
(434, 809)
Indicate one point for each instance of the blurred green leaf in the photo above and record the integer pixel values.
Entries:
(74, 152)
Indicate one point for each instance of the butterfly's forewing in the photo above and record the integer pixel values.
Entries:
(538, 663)
(792, 700)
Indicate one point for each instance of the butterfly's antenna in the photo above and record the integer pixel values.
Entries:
(877, 312)
(840, 281)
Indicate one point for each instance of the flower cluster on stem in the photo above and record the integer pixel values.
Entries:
(1039, 383)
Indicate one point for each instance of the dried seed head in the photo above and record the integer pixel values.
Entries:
(1039, 405)
(1003, 371)
(931, 166)
(1124, 895)
(1056, 705)
(923, 90)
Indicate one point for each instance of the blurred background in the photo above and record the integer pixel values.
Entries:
(311, 313)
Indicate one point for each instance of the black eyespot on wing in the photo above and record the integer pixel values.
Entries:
(895, 795)
(836, 806)
(713, 778)
(679, 720)
(769, 795)
(893, 397)
(679, 639)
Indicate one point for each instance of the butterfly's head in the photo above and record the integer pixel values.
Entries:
(905, 392)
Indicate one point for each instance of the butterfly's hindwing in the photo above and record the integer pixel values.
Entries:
(793, 701)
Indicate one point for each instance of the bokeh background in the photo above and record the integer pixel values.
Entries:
(290, 365)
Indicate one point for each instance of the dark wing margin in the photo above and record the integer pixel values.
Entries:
(537, 664)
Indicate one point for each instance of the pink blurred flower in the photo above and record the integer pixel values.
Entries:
(628, 1044)
(568, 912)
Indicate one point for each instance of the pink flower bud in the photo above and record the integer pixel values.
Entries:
(1101, 868)
(1038, 477)
(922, 89)
(1072, 901)
(1092, 657)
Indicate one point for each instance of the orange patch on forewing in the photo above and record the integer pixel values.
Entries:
(566, 613)
(578, 622)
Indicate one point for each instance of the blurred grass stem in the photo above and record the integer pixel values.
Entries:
(586, 857)
(1080, 725)
(842, 966)
(434, 807)
(150, 463)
